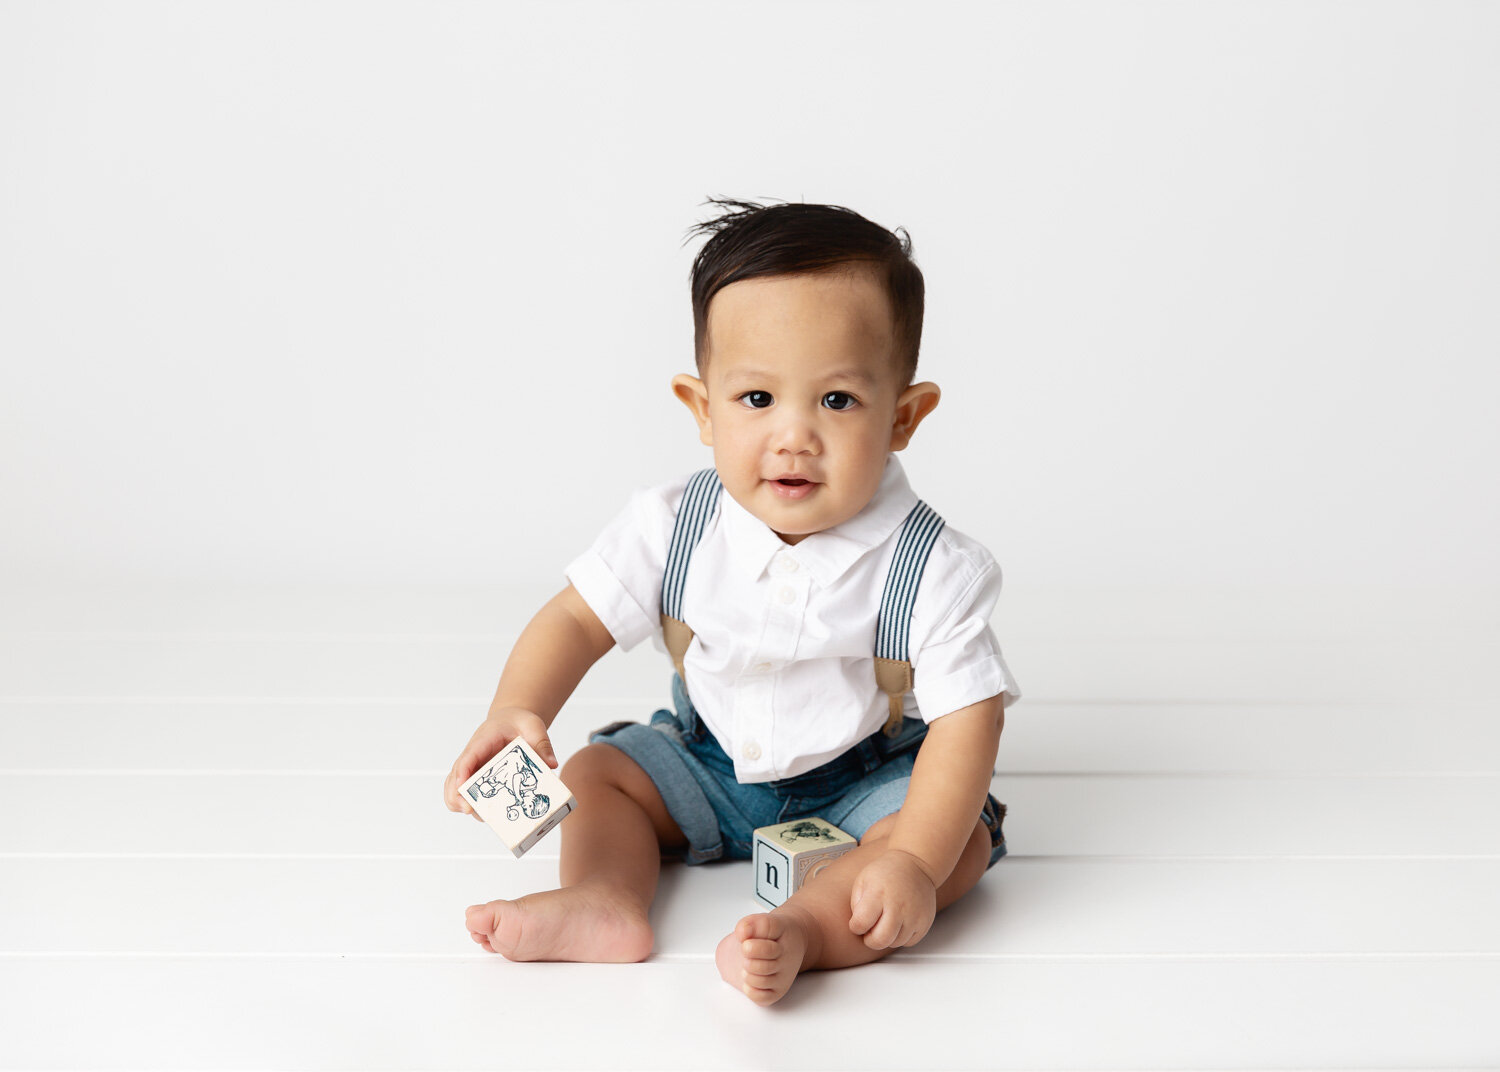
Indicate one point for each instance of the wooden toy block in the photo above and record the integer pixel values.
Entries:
(786, 856)
(518, 795)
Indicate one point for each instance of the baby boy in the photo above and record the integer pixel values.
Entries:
(807, 325)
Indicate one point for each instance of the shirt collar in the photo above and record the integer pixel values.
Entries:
(827, 554)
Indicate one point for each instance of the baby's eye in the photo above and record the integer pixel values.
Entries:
(755, 399)
(838, 400)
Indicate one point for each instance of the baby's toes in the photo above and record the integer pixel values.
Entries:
(763, 997)
(480, 919)
(761, 925)
(745, 929)
(762, 957)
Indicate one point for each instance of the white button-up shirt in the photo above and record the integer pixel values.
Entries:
(782, 663)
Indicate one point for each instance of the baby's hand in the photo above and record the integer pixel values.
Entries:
(493, 734)
(893, 901)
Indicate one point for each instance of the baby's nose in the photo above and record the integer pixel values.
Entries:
(795, 433)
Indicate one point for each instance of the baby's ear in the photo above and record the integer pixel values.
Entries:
(915, 403)
(694, 396)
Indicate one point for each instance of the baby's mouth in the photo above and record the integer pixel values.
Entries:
(793, 487)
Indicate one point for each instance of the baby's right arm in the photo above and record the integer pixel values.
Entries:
(549, 659)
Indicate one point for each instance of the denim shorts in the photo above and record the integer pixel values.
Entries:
(719, 815)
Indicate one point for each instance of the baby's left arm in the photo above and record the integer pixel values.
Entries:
(894, 899)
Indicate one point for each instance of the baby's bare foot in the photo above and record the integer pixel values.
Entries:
(764, 954)
(577, 923)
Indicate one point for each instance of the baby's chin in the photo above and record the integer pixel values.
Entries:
(793, 519)
(793, 538)
(788, 529)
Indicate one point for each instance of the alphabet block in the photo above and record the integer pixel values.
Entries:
(518, 796)
(786, 856)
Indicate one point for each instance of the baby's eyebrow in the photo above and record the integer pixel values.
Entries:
(855, 376)
(734, 375)
(863, 379)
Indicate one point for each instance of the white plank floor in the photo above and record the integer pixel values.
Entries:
(1247, 830)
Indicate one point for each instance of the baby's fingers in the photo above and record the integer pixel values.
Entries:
(886, 932)
(469, 760)
(534, 730)
(452, 798)
(543, 746)
(865, 908)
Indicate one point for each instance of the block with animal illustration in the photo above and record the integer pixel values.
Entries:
(518, 795)
(788, 855)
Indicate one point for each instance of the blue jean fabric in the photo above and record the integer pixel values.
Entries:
(718, 815)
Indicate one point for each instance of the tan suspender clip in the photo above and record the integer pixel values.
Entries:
(894, 678)
(677, 636)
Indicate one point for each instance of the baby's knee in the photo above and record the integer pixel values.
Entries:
(970, 868)
(594, 765)
(601, 772)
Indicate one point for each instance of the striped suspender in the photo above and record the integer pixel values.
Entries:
(893, 672)
(698, 503)
(893, 632)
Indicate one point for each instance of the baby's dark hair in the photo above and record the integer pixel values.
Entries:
(790, 238)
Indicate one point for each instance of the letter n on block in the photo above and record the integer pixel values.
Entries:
(789, 855)
(773, 874)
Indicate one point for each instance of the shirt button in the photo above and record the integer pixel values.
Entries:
(787, 564)
(786, 594)
(751, 750)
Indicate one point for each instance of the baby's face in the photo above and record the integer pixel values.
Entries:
(801, 399)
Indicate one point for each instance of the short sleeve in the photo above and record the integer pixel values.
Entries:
(957, 661)
(620, 575)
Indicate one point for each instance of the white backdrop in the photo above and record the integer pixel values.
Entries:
(363, 292)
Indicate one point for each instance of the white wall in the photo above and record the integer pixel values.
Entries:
(370, 291)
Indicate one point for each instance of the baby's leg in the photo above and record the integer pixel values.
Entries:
(611, 859)
(766, 951)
